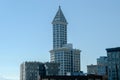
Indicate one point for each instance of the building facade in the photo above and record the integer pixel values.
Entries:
(102, 65)
(31, 70)
(62, 52)
(101, 68)
(102, 60)
(113, 63)
(92, 69)
(52, 69)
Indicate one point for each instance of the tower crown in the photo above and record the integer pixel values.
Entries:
(59, 17)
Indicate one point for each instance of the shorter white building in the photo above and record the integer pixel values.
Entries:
(68, 58)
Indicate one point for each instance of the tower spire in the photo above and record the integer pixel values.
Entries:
(59, 7)
(59, 17)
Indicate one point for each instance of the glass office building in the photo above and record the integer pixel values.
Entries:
(113, 63)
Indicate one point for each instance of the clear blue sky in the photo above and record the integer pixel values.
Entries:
(26, 30)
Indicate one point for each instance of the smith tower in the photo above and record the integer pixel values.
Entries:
(62, 52)
(59, 30)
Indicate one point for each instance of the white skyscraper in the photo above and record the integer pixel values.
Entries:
(63, 53)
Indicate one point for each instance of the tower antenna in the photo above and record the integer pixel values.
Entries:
(59, 6)
(59, 3)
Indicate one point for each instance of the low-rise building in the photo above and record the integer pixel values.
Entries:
(102, 65)
(91, 69)
(31, 70)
